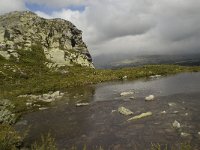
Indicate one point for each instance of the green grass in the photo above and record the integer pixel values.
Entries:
(31, 78)
(10, 139)
(29, 75)
(46, 143)
(44, 81)
(181, 146)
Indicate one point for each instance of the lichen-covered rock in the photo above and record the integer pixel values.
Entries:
(6, 116)
(124, 111)
(184, 134)
(127, 93)
(47, 97)
(176, 124)
(142, 115)
(60, 40)
(172, 104)
(82, 104)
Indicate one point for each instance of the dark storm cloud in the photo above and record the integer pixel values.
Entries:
(137, 26)
(114, 19)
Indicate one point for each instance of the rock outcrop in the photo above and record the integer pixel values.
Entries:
(60, 40)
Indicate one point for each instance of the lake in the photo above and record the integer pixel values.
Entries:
(99, 124)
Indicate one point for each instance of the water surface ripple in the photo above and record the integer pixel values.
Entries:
(100, 125)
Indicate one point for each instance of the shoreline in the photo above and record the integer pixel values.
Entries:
(14, 89)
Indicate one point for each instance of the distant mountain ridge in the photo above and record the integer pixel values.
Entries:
(131, 60)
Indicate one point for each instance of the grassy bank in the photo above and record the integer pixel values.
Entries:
(43, 81)
(29, 74)
(38, 79)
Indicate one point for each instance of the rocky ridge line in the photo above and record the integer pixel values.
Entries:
(60, 40)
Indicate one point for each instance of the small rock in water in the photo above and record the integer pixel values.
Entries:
(176, 124)
(156, 123)
(124, 111)
(140, 116)
(150, 98)
(172, 104)
(124, 77)
(163, 112)
(198, 133)
(126, 93)
(175, 112)
(132, 97)
(82, 104)
(155, 76)
(183, 134)
(186, 114)
(113, 111)
(43, 108)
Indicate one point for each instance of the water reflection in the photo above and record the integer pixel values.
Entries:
(182, 83)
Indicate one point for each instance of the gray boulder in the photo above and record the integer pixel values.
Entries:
(124, 111)
(6, 116)
(176, 124)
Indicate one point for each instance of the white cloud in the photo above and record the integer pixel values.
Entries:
(135, 26)
(11, 5)
(164, 26)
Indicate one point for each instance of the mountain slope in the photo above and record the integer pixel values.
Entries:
(60, 41)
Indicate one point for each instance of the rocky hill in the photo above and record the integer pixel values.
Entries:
(58, 42)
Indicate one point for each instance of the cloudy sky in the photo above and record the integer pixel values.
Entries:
(137, 26)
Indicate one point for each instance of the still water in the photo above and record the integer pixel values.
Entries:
(100, 124)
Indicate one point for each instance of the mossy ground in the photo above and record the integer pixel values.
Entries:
(40, 81)
(9, 138)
